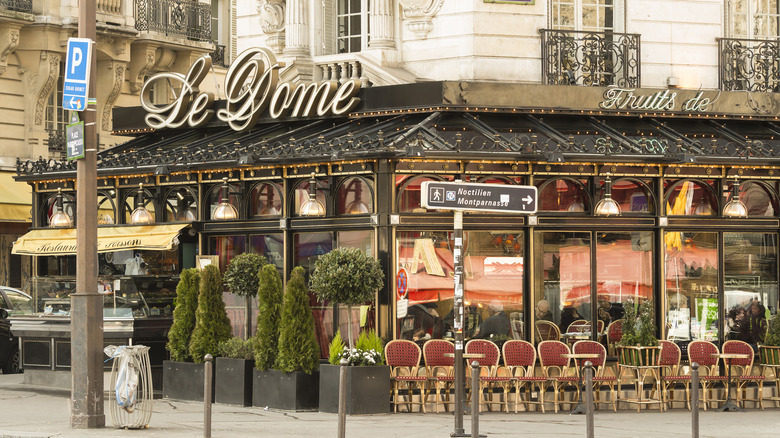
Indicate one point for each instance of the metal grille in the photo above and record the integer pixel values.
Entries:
(174, 17)
(218, 56)
(17, 5)
(590, 58)
(752, 65)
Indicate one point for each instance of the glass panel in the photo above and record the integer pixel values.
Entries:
(363, 316)
(750, 284)
(409, 199)
(564, 279)
(301, 194)
(226, 247)
(265, 200)
(68, 206)
(131, 203)
(363, 240)
(181, 206)
(691, 261)
(631, 196)
(563, 195)
(270, 246)
(757, 199)
(22, 303)
(307, 247)
(691, 198)
(216, 195)
(354, 197)
(624, 270)
(106, 215)
(493, 295)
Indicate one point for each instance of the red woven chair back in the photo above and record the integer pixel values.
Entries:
(547, 331)
(702, 352)
(591, 347)
(551, 354)
(402, 353)
(600, 326)
(579, 326)
(434, 350)
(615, 331)
(670, 354)
(519, 354)
(739, 347)
(482, 346)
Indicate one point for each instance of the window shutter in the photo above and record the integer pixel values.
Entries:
(328, 27)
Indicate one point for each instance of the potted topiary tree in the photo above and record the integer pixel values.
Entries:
(639, 345)
(770, 350)
(176, 381)
(296, 378)
(241, 278)
(350, 277)
(233, 372)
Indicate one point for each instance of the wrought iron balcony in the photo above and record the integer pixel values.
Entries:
(752, 65)
(182, 18)
(596, 59)
(17, 5)
(56, 142)
(218, 56)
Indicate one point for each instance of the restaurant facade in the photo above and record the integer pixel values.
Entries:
(665, 194)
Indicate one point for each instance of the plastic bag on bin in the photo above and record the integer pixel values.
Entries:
(126, 378)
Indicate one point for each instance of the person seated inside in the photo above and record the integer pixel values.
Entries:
(754, 324)
(543, 311)
(496, 325)
(604, 308)
(568, 316)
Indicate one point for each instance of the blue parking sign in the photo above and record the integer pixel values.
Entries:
(77, 68)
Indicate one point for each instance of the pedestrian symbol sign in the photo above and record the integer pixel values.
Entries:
(77, 69)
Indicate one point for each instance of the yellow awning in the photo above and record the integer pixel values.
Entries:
(15, 199)
(62, 241)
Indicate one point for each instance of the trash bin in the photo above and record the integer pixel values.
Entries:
(131, 391)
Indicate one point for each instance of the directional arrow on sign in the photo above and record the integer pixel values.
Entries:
(528, 199)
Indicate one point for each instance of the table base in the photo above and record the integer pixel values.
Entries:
(579, 409)
(729, 407)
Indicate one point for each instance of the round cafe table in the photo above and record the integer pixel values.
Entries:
(728, 405)
(579, 362)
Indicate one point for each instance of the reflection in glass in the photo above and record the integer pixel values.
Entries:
(307, 247)
(265, 200)
(632, 196)
(354, 197)
(270, 246)
(181, 206)
(409, 198)
(691, 266)
(225, 191)
(562, 195)
(105, 206)
(691, 198)
(757, 199)
(563, 285)
(135, 199)
(751, 293)
(226, 247)
(302, 197)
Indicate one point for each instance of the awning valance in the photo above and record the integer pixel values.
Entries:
(62, 241)
(15, 199)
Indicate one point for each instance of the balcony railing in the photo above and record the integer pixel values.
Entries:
(183, 18)
(17, 5)
(109, 7)
(752, 65)
(218, 56)
(590, 58)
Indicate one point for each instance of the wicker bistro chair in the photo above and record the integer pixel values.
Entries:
(547, 331)
(744, 372)
(555, 368)
(439, 370)
(614, 333)
(705, 354)
(403, 357)
(520, 360)
(599, 378)
(669, 361)
(489, 375)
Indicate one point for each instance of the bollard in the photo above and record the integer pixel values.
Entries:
(589, 399)
(342, 428)
(475, 396)
(207, 396)
(695, 400)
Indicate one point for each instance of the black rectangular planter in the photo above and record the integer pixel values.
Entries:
(184, 380)
(233, 381)
(368, 389)
(296, 391)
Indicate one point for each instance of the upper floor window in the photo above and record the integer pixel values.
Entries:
(754, 19)
(585, 15)
(352, 32)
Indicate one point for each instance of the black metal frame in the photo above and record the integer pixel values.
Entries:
(749, 65)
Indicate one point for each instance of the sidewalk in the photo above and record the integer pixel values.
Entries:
(36, 412)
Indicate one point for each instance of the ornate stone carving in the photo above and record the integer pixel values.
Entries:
(271, 15)
(419, 15)
(49, 70)
(116, 89)
(142, 59)
(9, 39)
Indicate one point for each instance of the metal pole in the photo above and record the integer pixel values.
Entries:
(460, 378)
(342, 427)
(207, 396)
(86, 304)
(589, 398)
(476, 394)
(695, 400)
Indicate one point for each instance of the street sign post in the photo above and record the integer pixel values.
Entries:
(460, 197)
(500, 198)
(77, 70)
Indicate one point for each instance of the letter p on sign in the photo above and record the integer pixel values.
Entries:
(78, 60)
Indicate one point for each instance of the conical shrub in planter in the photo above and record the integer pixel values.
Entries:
(184, 315)
(241, 278)
(269, 306)
(212, 324)
(770, 349)
(294, 384)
